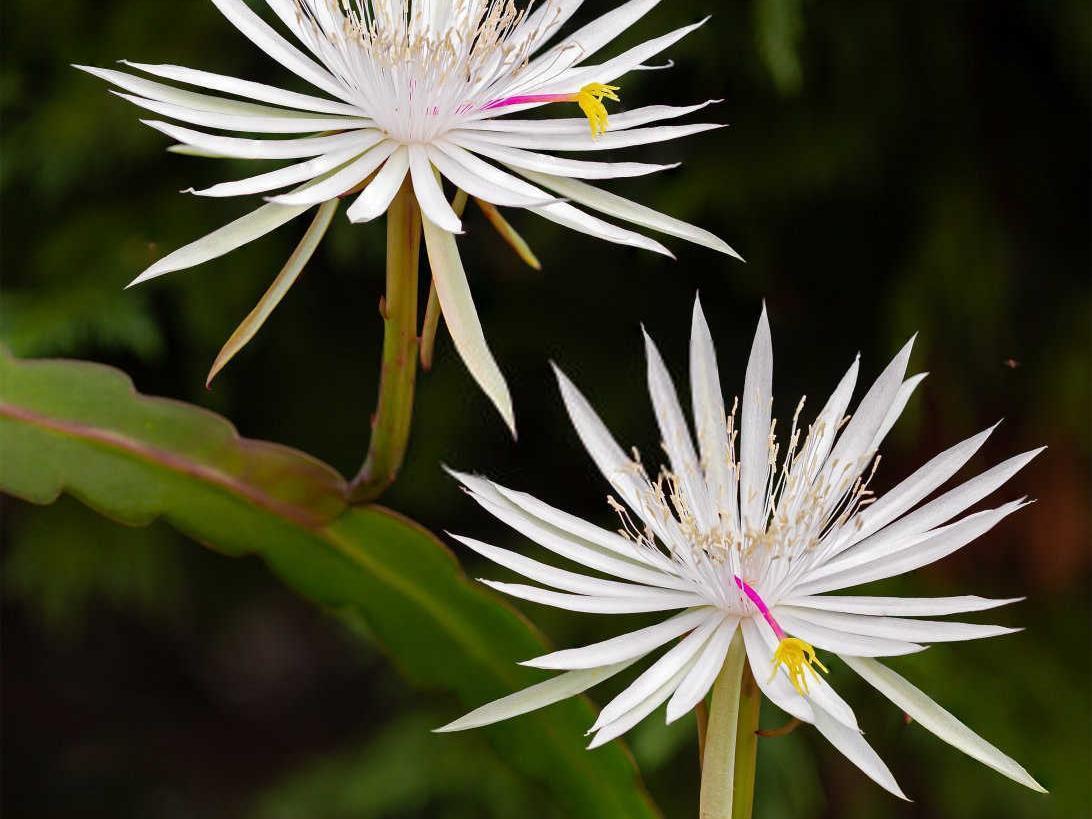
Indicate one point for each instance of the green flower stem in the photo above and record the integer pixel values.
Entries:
(728, 763)
(394, 409)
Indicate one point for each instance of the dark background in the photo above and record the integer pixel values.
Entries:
(891, 167)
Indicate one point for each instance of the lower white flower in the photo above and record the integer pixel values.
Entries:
(754, 543)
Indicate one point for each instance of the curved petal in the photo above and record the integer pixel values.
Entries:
(377, 197)
(696, 684)
(645, 600)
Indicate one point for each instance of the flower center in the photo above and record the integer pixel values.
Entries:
(792, 652)
(589, 98)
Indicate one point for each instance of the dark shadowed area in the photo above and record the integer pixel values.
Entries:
(891, 167)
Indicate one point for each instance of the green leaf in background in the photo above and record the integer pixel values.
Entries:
(81, 428)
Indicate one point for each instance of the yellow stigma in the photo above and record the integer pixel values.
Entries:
(590, 99)
(796, 655)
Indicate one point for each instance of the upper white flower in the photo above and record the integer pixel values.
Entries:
(422, 90)
(753, 543)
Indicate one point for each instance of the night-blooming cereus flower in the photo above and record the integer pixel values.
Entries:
(412, 91)
(748, 533)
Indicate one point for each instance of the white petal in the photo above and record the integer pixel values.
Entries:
(238, 148)
(910, 528)
(620, 208)
(640, 711)
(844, 642)
(899, 606)
(619, 470)
(159, 92)
(282, 177)
(461, 316)
(897, 406)
(644, 600)
(542, 23)
(626, 647)
(223, 240)
(287, 123)
(626, 61)
(584, 142)
(247, 89)
(696, 684)
(660, 671)
(380, 192)
(925, 550)
(262, 35)
(536, 696)
(559, 166)
(342, 180)
(676, 438)
(577, 126)
(897, 628)
(825, 427)
(430, 196)
(573, 527)
(574, 548)
(776, 687)
(933, 717)
(848, 457)
(585, 41)
(476, 185)
(854, 747)
(710, 420)
(754, 446)
(550, 575)
(911, 490)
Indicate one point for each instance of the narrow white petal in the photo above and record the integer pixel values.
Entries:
(342, 180)
(821, 435)
(897, 628)
(925, 550)
(845, 642)
(536, 696)
(696, 684)
(247, 89)
(626, 647)
(576, 126)
(223, 240)
(676, 438)
(660, 671)
(282, 177)
(611, 140)
(543, 23)
(620, 208)
(936, 719)
(854, 747)
(848, 456)
(912, 527)
(908, 492)
(461, 316)
(899, 606)
(430, 196)
(710, 419)
(585, 41)
(641, 710)
(645, 600)
(559, 166)
(897, 406)
(478, 186)
(754, 446)
(550, 575)
(287, 123)
(239, 148)
(380, 192)
(626, 61)
(262, 35)
(574, 548)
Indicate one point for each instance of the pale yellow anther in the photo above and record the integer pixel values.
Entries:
(590, 99)
(796, 655)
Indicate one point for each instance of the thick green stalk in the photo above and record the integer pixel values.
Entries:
(750, 703)
(394, 409)
(728, 763)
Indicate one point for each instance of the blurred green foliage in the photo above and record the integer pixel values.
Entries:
(892, 167)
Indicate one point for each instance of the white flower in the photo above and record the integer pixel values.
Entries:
(421, 90)
(754, 543)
